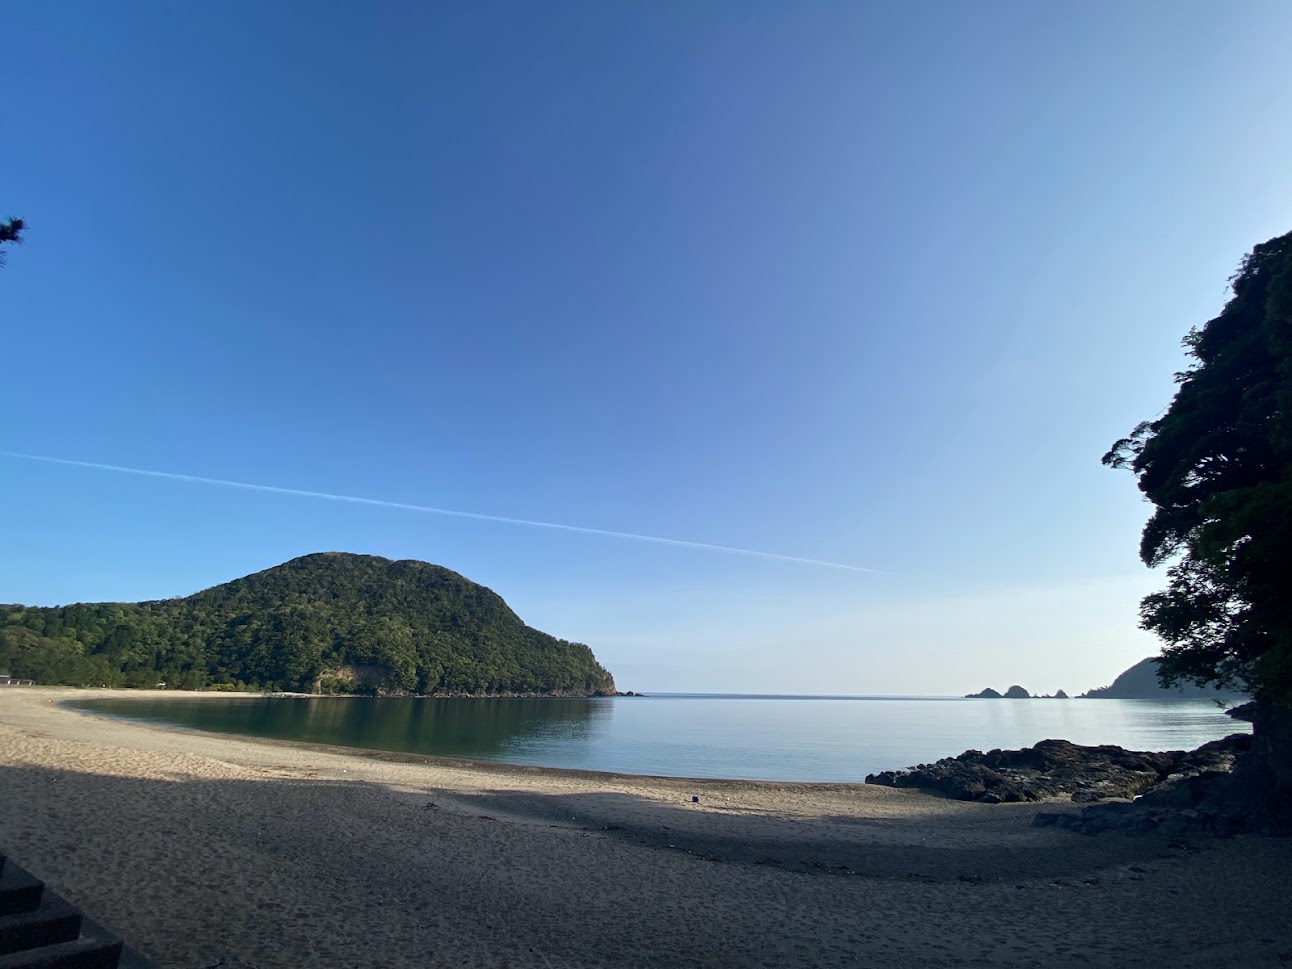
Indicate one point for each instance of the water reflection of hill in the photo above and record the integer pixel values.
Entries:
(488, 728)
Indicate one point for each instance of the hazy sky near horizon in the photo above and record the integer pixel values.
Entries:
(868, 284)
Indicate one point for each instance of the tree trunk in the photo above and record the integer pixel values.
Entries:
(1258, 794)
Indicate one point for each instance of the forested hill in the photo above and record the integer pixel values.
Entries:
(1140, 682)
(329, 621)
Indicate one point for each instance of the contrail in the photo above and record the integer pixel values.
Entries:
(429, 510)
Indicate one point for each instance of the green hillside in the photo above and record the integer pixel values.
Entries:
(330, 621)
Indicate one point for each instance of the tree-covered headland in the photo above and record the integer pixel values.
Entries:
(329, 622)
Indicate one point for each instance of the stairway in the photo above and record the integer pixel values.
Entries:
(39, 930)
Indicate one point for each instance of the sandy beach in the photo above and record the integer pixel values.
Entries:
(205, 850)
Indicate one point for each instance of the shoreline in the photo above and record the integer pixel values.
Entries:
(202, 848)
(430, 760)
(1220, 700)
(300, 733)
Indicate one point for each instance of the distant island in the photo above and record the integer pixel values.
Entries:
(1014, 693)
(1137, 683)
(325, 623)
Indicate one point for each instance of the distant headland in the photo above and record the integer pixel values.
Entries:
(1140, 682)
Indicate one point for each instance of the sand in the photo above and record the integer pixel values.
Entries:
(203, 850)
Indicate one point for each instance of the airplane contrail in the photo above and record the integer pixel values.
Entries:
(429, 510)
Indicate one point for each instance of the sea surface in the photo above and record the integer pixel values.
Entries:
(693, 735)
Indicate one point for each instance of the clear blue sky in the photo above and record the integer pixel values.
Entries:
(869, 283)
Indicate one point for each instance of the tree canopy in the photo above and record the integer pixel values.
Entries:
(11, 233)
(1217, 466)
(325, 621)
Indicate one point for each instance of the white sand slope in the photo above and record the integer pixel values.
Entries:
(205, 850)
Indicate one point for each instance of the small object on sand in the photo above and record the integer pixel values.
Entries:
(695, 799)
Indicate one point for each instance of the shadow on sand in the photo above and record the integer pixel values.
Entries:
(241, 872)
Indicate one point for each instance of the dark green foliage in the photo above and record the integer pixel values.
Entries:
(1218, 467)
(10, 232)
(331, 621)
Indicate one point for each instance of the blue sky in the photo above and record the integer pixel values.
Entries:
(873, 284)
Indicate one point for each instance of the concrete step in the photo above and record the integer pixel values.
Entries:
(130, 959)
(54, 921)
(19, 891)
(90, 952)
(40, 930)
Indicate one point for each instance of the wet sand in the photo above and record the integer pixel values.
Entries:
(206, 850)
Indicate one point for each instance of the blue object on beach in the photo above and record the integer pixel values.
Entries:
(695, 799)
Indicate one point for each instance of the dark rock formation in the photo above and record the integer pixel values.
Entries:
(1216, 790)
(1057, 768)
(1244, 711)
(1014, 693)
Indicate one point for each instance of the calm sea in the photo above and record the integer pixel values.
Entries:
(688, 735)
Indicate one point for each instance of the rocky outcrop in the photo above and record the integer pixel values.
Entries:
(1059, 769)
(1014, 693)
(1241, 784)
(1216, 790)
